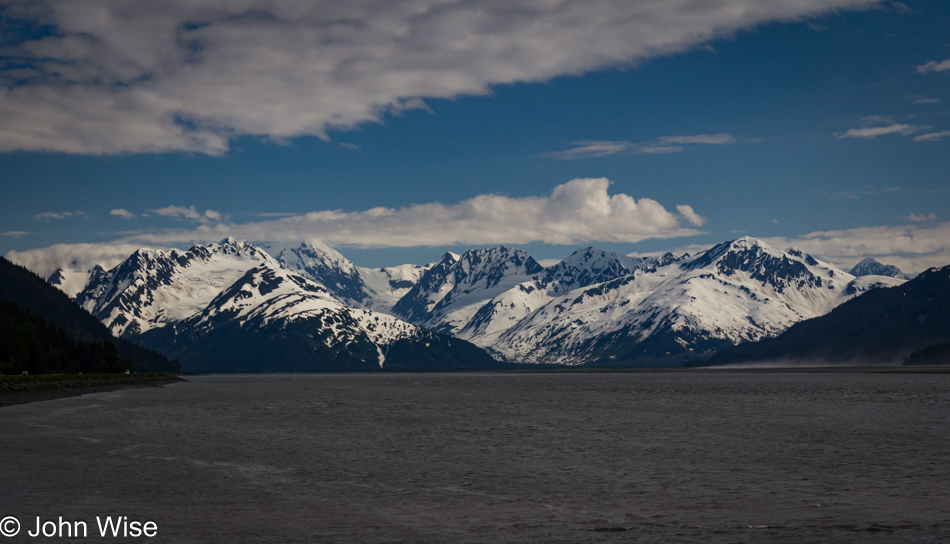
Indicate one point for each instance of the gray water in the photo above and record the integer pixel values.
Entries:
(645, 457)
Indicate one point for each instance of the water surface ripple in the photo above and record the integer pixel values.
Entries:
(626, 457)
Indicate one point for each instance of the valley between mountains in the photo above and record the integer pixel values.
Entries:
(237, 306)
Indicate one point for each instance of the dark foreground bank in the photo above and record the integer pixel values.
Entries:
(24, 389)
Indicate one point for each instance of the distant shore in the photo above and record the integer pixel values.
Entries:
(830, 369)
(25, 389)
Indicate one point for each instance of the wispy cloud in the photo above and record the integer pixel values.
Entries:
(586, 149)
(901, 7)
(15, 233)
(123, 213)
(659, 149)
(47, 216)
(926, 100)
(919, 217)
(858, 193)
(45, 261)
(934, 66)
(710, 139)
(932, 136)
(870, 133)
(911, 247)
(146, 78)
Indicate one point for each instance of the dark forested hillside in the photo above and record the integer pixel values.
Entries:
(49, 312)
(28, 343)
(936, 354)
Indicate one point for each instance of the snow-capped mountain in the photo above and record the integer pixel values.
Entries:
(449, 293)
(370, 288)
(871, 267)
(153, 287)
(73, 280)
(273, 318)
(592, 307)
(736, 291)
(584, 267)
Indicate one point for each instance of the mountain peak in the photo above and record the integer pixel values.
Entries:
(871, 267)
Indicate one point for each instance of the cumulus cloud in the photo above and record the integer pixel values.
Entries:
(934, 66)
(691, 216)
(123, 213)
(45, 261)
(932, 136)
(580, 210)
(586, 149)
(913, 248)
(189, 75)
(870, 133)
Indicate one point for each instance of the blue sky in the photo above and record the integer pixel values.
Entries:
(405, 131)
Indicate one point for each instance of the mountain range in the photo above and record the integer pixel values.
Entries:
(240, 306)
(910, 322)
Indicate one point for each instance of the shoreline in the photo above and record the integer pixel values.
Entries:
(44, 387)
(832, 369)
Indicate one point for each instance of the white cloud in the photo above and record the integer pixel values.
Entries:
(711, 139)
(179, 212)
(691, 216)
(918, 217)
(123, 213)
(45, 261)
(932, 136)
(913, 248)
(934, 66)
(46, 216)
(873, 132)
(15, 233)
(901, 7)
(586, 149)
(925, 100)
(191, 74)
(580, 210)
(659, 149)
(856, 194)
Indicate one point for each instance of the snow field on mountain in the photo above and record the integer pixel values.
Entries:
(498, 298)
